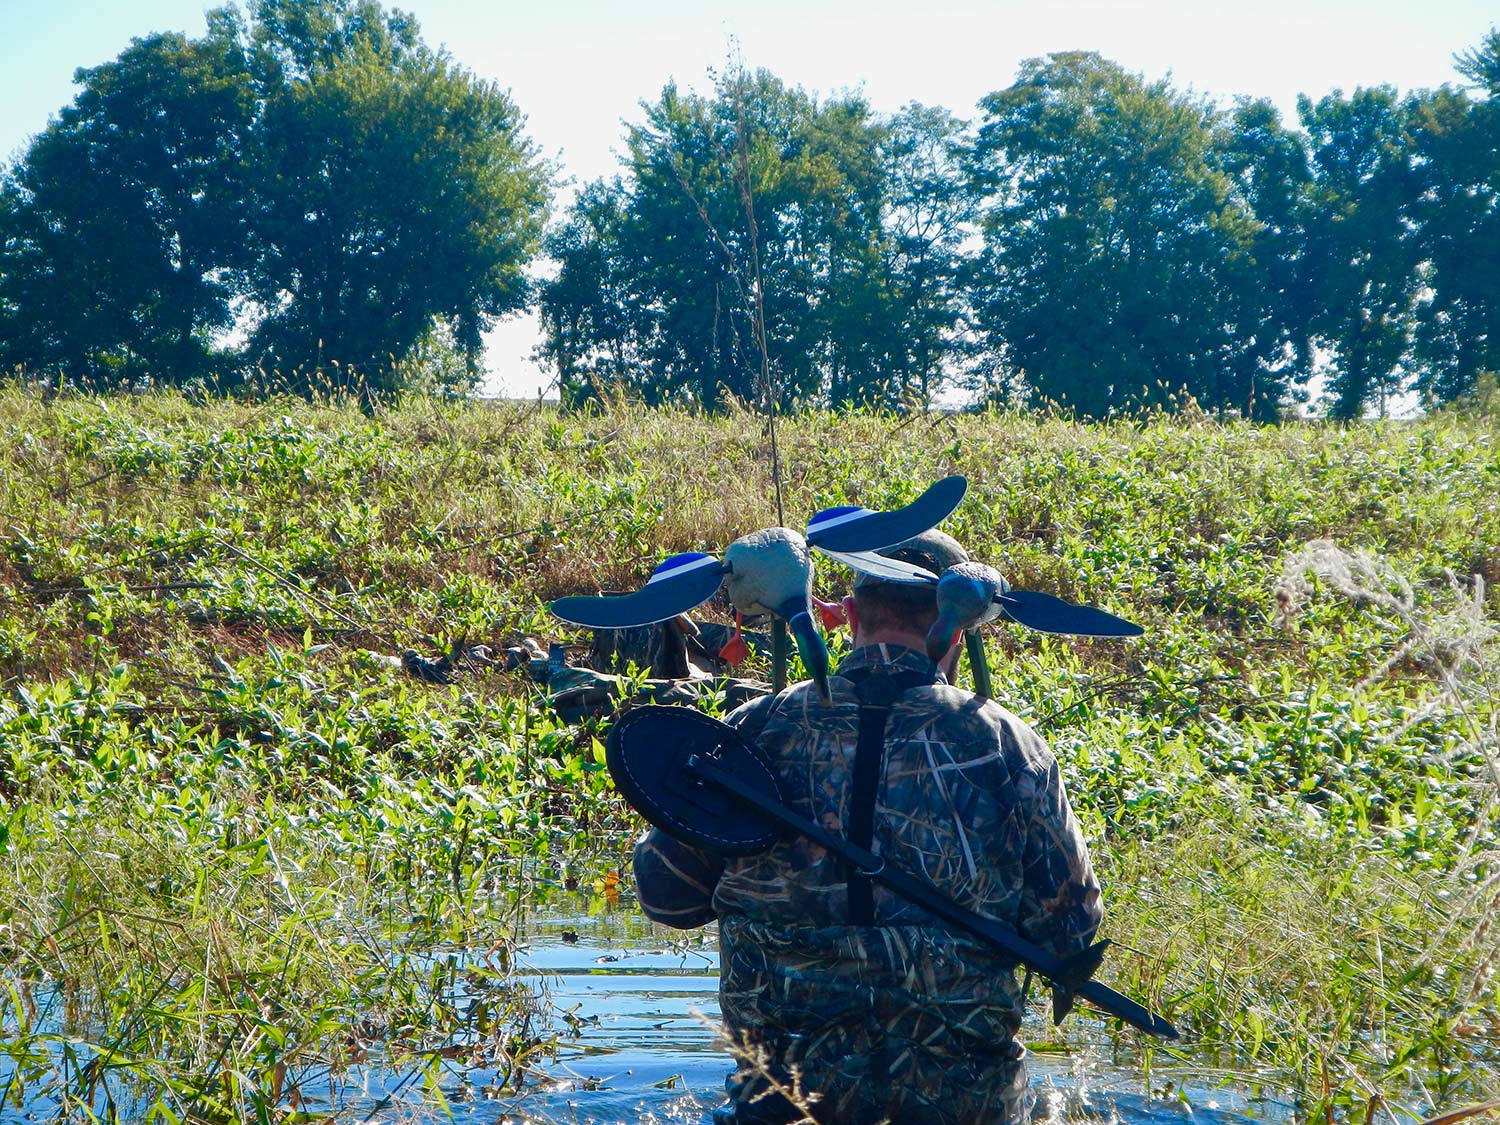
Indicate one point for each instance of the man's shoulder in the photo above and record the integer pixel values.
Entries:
(950, 714)
(750, 718)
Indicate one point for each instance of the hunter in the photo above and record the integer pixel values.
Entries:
(834, 992)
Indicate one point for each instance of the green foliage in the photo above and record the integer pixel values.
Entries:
(398, 193)
(1360, 256)
(317, 179)
(240, 846)
(1140, 248)
(123, 228)
(762, 210)
(1115, 252)
(309, 199)
(1456, 142)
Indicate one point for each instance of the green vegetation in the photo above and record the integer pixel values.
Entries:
(301, 194)
(1089, 239)
(238, 848)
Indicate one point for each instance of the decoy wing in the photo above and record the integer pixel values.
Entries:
(1047, 614)
(860, 529)
(879, 566)
(677, 585)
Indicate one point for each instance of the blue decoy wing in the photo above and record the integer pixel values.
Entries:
(853, 529)
(879, 566)
(1048, 614)
(677, 585)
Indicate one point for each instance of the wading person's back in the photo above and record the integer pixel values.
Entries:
(835, 987)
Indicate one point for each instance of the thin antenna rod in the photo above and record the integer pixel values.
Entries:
(775, 464)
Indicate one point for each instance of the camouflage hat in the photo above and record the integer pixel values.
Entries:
(933, 550)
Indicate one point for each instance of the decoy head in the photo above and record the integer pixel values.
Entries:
(770, 571)
(966, 596)
(767, 571)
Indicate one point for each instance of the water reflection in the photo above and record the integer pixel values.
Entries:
(640, 1004)
(635, 1007)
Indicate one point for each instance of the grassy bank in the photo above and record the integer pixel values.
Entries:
(234, 834)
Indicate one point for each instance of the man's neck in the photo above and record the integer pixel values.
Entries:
(907, 639)
(900, 637)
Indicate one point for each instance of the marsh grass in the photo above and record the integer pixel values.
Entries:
(243, 857)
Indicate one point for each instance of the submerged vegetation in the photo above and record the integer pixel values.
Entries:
(244, 856)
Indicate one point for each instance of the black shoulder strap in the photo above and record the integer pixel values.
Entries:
(878, 690)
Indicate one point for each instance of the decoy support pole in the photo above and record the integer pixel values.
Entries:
(978, 666)
(778, 654)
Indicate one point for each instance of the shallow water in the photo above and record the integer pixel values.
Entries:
(643, 1001)
(635, 1007)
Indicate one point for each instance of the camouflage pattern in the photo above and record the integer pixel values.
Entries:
(675, 882)
(903, 1020)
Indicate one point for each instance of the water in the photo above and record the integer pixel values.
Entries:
(641, 1004)
(636, 1008)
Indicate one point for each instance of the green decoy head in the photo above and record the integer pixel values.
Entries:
(966, 594)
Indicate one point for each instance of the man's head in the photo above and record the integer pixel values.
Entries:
(881, 611)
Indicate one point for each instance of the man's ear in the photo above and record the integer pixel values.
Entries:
(851, 615)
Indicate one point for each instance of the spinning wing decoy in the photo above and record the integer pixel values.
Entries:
(767, 571)
(971, 594)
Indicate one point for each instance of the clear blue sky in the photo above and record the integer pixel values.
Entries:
(577, 68)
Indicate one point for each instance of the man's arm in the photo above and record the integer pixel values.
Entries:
(1061, 906)
(674, 882)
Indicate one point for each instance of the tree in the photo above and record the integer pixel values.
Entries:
(396, 190)
(1361, 257)
(1481, 64)
(588, 309)
(124, 224)
(1455, 219)
(1112, 245)
(314, 177)
(745, 237)
(1269, 170)
(929, 214)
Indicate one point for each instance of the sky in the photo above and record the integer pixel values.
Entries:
(579, 69)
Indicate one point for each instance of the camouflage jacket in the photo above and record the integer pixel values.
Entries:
(905, 1019)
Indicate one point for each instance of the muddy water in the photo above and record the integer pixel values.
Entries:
(641, 1002)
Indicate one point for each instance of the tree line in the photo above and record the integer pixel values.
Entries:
(309, 189)
(1091, 239)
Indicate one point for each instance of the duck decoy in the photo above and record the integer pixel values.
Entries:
(971, 594)
(767, 571)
